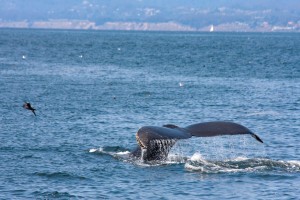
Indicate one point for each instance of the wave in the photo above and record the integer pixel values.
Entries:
(263, 113)
(114, 151)
(59, 175)
(198, 163)
(52, 195)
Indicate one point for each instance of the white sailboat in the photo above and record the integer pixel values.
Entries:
(211, 28)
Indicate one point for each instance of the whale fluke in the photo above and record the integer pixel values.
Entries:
(155, 142)
(256, 137)
(210, 129)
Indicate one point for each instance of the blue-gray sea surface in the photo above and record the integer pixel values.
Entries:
(93, 90)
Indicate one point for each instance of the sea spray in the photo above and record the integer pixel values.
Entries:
(161, 148)
(143, 154)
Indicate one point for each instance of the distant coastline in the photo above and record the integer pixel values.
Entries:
(146, 26)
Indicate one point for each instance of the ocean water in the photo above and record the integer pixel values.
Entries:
(93, 90)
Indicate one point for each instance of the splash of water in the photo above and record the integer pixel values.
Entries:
(143, 154)
(199, 163)
(161, 147)
(240, 164)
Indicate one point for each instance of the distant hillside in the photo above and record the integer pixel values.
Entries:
(195, 14)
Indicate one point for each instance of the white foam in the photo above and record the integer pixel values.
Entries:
(123, 153)
(93, 150)
(175, 158)
(294, 162)
(197, 157)
(231, 170)
(262, 113)
(191, 167)
(241, 158)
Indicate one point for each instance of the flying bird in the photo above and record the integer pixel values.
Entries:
(28, 106)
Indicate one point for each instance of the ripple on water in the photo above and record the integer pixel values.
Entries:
(52, 195)
(59, 175)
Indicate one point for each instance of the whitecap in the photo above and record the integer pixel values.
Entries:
(263, 113)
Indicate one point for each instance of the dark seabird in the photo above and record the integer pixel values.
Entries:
(28, 106)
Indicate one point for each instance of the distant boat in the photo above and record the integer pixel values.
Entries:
(211, 28)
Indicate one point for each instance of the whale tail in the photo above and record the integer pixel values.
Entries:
(256, 137)
(157, 141)
(210, 129)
